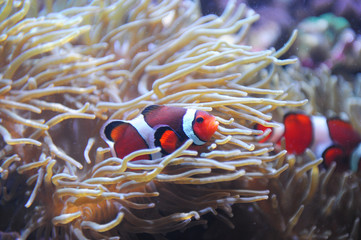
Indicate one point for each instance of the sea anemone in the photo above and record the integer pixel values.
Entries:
(309, 201)
(328, 94)
(66, 69)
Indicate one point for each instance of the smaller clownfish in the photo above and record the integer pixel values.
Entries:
(332, 139)
(159, 126)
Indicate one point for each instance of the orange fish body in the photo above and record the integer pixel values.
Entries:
(333, 139)
(159, 126)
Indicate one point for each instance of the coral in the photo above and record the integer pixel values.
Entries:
(66, 68)
(329, 40)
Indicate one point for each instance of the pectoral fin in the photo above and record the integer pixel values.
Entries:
(166, 138)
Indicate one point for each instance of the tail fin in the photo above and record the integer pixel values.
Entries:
(113, 130)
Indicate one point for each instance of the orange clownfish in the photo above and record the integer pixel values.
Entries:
(332, 139)
(159, 126)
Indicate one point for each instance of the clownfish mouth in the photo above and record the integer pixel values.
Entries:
(212, 126)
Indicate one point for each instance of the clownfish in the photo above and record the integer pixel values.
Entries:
(159, 126)
(332, 139)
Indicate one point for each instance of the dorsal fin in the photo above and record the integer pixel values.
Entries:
(343, 134)
(150, 108)
(113, 130)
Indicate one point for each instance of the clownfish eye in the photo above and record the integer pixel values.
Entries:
(199, 119)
